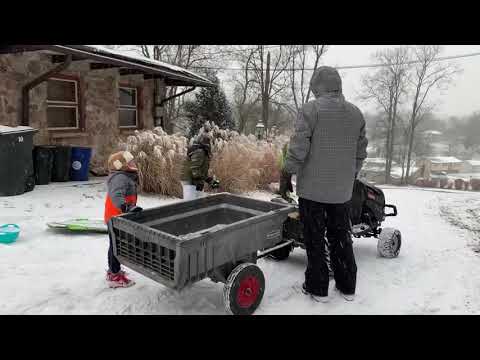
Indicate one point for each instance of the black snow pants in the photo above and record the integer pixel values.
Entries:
(113, 263)
(316, 217)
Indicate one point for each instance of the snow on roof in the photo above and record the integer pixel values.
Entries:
(376, 160)
(432, 132)
(8, 129)
(100, 48)
(444, 160)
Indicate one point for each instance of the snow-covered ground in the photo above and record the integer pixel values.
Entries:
(437, 272)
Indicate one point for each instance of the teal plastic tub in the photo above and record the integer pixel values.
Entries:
(9, 233)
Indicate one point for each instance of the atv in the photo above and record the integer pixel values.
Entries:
(367, 212)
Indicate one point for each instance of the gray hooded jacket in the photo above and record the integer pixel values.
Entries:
(329, 143)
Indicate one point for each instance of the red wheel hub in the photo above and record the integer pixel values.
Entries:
(248, 291)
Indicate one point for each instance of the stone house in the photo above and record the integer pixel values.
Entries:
(86, 95)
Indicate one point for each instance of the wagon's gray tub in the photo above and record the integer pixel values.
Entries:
(184, 242)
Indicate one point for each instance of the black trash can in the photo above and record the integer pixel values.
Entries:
(16, 170)
(43, 156)
(61, 163)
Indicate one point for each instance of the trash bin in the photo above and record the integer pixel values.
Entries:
(43, 156)
(61, 163)
(16, 161)
(80, 163)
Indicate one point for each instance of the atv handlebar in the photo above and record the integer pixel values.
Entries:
(282, 200)
(391, 207)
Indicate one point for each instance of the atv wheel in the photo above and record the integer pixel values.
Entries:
(389, 243)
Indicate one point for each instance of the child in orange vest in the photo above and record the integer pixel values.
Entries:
(121, 198)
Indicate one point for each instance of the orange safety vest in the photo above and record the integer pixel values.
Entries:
(111, 210)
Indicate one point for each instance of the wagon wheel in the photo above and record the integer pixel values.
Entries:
(244, 289)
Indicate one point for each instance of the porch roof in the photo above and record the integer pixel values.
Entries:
(101, 58)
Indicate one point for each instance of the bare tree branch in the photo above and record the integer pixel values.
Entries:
(426, 75)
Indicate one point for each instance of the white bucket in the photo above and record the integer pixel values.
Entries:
(189, 192)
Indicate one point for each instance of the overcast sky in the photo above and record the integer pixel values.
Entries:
(462, 97)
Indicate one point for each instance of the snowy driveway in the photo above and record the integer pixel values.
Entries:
(437, 272)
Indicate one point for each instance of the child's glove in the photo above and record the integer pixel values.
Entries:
(128, 208)
(285, 184)
(214, 183)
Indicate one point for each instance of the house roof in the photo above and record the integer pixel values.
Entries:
(17, 129)
(444, 160)
(127, 64)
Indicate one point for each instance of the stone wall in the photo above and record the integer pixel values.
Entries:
(98, 92)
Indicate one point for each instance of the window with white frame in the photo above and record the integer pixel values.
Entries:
(62, 104)
(128, 107)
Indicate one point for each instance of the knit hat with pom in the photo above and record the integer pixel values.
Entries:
(122, 161)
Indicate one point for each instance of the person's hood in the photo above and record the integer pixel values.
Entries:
(195, 146)
(326, 81)
(202, 142)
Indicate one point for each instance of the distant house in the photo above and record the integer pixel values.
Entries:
(471, 166)
(432, 135)
(438, 164)
(86, 95)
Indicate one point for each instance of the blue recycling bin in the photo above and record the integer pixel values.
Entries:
(80, 163)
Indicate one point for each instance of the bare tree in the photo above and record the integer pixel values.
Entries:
(300, 72)
(427, 74)
(268, 67)
(404, 133)
(202, 58)
(386, 87)
(245, 96)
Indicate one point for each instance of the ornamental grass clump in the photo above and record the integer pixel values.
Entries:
(159, 157)
(241, 163)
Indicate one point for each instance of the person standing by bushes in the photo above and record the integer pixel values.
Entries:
(326, 153)
(121, 198)
(196, 166)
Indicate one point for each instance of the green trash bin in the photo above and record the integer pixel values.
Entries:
(16, 156)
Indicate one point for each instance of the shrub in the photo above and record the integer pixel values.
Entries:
(159, 157)
(475, 183)
(241, 163)
(420, 182)
(443, 182)
(459, 183)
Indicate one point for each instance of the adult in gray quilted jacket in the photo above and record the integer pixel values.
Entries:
(329, 144)
(326, 152)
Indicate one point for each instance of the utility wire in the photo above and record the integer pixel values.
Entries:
(346, 67)
(222, 52)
